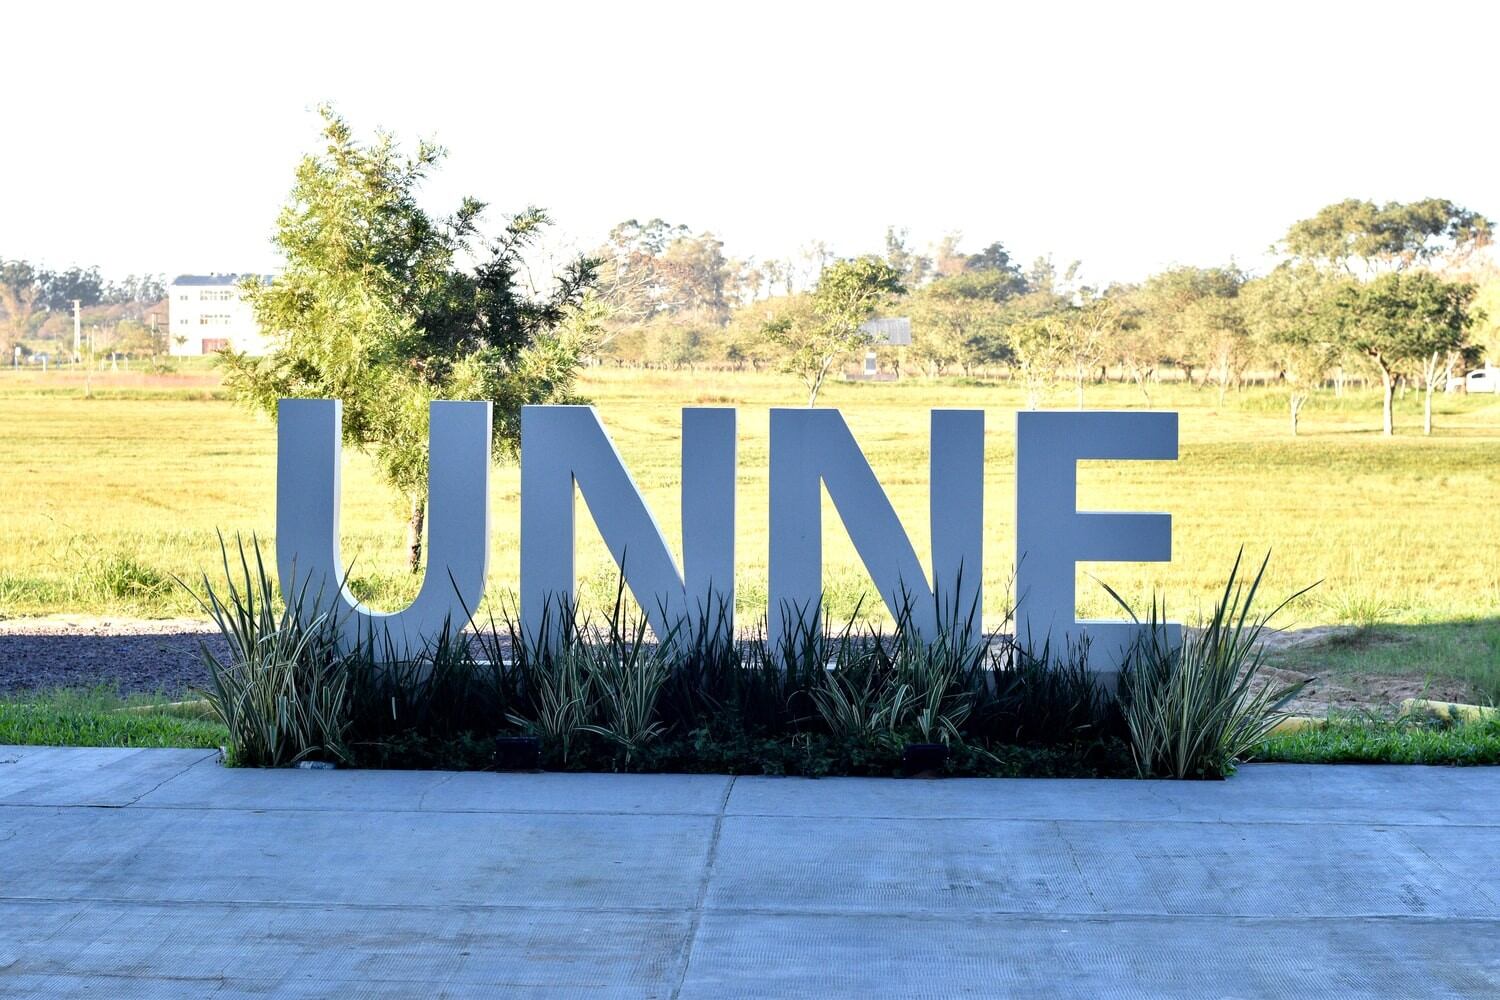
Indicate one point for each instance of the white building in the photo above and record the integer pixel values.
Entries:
(206, 313)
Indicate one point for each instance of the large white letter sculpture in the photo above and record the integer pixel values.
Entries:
(1053, 536)
(809, 447)
(566, 445)
(458, 522)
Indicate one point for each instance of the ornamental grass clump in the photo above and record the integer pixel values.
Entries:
(283, 691)
(555, 696)
(1196, 709)
(606, 682)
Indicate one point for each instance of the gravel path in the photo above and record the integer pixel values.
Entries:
(163, 656)
(153, 656)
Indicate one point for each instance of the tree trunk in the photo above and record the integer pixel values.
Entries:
(1296, 408)
(1140, 383)
(1080, 390)
(414, 534)
(1427, 411)
(817, 383)
(1389, 387)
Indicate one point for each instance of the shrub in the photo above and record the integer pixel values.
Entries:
(122, 578)
(1193, 710)
(283, 693)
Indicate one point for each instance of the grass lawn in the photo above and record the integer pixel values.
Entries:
(100, 718)
(112, 496)
(1374, 741)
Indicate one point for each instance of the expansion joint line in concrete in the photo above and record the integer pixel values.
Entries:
(701, 899)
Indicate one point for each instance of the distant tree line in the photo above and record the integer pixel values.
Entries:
(36, 307)
(1400, 293)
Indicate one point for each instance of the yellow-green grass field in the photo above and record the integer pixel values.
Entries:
(106, 499)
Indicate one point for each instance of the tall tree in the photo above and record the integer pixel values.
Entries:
(1005, 274)
(1401, 318)
(989, 284)
(947, 259)
(1134, 343)
(817, 330)
(376, 308)
(1038, 345)
(1088, 326)
(951, 328)
(1393, 236)
(20, 292)
(61, 288)
(1290, 316)
(910, 265)
(1194, 314)
(145, 289)
(656, 268)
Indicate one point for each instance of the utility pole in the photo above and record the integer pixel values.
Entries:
(77, 344)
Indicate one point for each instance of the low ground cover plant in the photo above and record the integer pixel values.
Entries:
(1370, 739)
(817, 700)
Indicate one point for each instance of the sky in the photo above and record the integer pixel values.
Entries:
(162, 138)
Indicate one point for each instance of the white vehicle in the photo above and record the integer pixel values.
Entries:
(1484, 379)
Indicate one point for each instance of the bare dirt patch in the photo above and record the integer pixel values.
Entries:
(1341, 690)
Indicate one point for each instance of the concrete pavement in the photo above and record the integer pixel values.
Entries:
(158, 873)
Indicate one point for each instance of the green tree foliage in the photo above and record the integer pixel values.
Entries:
(376, 308)
(1037, 343)
(1089, 325)
(956, 320)
(1133, 344)
(1195, 314)
(1001, 275)
(1401, 318)
(1393, 236)
(988, 285)
(145, 289)
(1290, 316)
(1059, 328)
(61, 288)
(961, 316)
(36, 303)
(942, 329)
(1487, 329)
(814, 331)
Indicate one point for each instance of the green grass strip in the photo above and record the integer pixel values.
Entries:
(101, 718)
(1387, 742)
